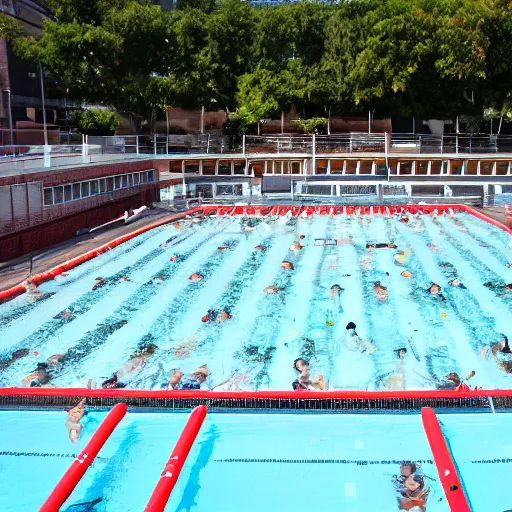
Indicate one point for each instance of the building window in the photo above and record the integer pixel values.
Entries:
(67, 193)
(204, 191)
(58, 195)
(94, 188)
(48, 196)
(85, 189)
(76, 191)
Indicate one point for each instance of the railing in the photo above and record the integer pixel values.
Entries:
(67, 149)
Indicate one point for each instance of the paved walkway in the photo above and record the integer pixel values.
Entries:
(15, 271)
(495, 212)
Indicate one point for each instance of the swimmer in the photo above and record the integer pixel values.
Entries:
(287, 265)
(99, 281)
(196, 277)
(407, 468)
(496, 349)
(457, 284)
(336, 289)
(271, 290)
(400, 258)
(224, 315)
(433, 247)
(303, 381)
(296, 246)
(380, 291)
(404, 218)
(177, 225)
(39, 377)
(33, 293)
(161, 278)
(435, 289)
(396, 381)
(73, 421)
(195, 381)
(66, 314)
(406, 274)
(174, 257)
(452, 381)
(352, 341)
(222, 247)
(124, 278)
(260, 248)
(18, 354)
(210, 316)
(136, 361)
(415, 493)
(508, 265)
(54, 360)
(493, 286)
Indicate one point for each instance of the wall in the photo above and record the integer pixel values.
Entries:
(44, 235)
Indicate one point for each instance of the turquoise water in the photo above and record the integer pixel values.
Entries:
(239, 462)
(99, 330)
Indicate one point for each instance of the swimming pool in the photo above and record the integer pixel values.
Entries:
(146, 297)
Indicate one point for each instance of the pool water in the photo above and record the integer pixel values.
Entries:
(147, 298)
(244, 462)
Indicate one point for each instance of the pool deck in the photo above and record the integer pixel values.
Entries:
(15, 271)
(495, 212)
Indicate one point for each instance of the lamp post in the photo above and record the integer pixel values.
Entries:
(8, 91)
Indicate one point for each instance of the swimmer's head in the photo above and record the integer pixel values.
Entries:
(287, 265)
(392, 245)
(350, 325)
(455, 282)
(299, 364)
(408, 468)
(336, 288)
(434, 289)
(453, 377)
(150, 349)
(400, 352)
(414, 482)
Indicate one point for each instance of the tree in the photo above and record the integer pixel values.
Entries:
(10, 29)
(95, 122)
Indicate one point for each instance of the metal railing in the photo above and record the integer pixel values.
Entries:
(29, 152)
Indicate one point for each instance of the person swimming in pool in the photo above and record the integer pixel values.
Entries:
(452, 381)
(415, 493)
(352, 341)
(502, 353)
(136, 361)
(41, 376)
(304, 381)
(196, 277)
(17, 354)
(380, 291)
(72, 422)
(396, 381)
(197, 379)
(436, 291)
(287, 265)
(336, 290)
(272, 290)
(456, 283)
(407, 468)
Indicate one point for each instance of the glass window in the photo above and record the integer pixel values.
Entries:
(204, 191)
(501, 168)
(225, 167)
(208, 167)
(486, 167)
(351, 167)
(224, 190)
(365, 167)
(67, 193)
(405, 167)
(135, 178)
(58, 194)
(380, 168)
(117, 182)
(456, 166)
(422, 167)
(296, 167)
(238, 189)
(321, 167)
(435, 168)
(103, 186)
(239, 167)
(128, 180)
(151, 176)
(110, 184)
(337, 166)
(48, 196)
(94, 188)
(471, 166)
(76, 190)
(175, 166)
(85, 189)
(192, 166)
(124, 181)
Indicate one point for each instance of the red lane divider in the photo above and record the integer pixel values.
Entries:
(216, 395)
(37, 279)
(446, 469)
(172, 469)
(79, 466)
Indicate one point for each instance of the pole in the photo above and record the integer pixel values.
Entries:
(313, 156)
(44, 105)
(10, 116)
(369, 121)
(202, 119)
(167, 126)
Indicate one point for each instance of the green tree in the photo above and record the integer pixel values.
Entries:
(10, 28)
(95, 122)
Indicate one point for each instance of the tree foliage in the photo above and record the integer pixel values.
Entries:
(426, 58)
(95, 122)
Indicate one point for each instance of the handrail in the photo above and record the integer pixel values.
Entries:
(172, 469)
(81, 463)
(445, 465)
